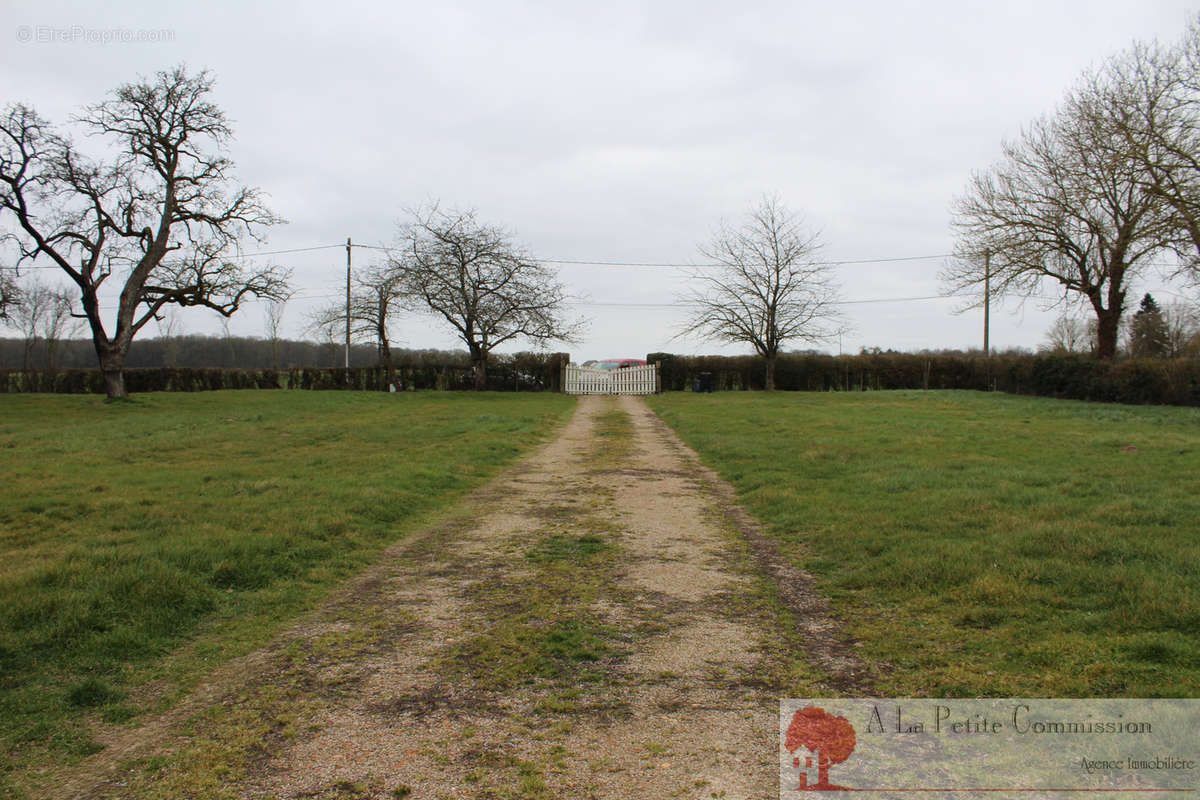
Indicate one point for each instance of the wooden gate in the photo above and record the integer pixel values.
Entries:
(631, 380)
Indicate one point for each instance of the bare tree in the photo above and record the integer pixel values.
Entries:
(375, 297)
(169, 330)
(227, 336)
(328, 325)
(1069, 334)
(42, 314)
(1063, 206)
(1183, 330)
(769, 288)
(9, 293)
(478, 281)
(380, 295)
(1146, 100)
(275, 309)
(163, 217)
(1172, 100)
(28, 315)
(59, 323)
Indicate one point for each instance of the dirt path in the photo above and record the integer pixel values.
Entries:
(594, 624)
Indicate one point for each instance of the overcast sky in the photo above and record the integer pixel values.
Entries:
(622, 131)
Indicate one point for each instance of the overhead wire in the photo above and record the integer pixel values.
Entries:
(318, 295)
(610, 263)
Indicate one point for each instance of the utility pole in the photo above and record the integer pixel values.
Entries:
(348, 246)
(987, 300)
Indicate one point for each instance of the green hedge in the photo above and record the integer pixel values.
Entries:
(1152, 381)
(520, 372)
(1155, 381)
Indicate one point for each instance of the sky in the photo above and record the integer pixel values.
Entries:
(617, 132)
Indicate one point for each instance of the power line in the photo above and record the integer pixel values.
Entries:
(900, 299)
(608, 263)
(236, 255)
(592, 304)
(293, 250)
(665, 264)
(837, 303)
(888, 260)
(318, 294)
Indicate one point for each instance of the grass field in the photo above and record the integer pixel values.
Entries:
(980, 544)
(142, 544)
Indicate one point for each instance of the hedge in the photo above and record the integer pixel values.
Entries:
(1142, 381)
(520, 372)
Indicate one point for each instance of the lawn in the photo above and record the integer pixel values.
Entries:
(980, 544)
(144, 543)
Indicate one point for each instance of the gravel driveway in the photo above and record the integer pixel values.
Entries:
(599, 622)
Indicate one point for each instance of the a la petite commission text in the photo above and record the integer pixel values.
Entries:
(1019, 719)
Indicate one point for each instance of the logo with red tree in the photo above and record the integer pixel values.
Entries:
(828, 738)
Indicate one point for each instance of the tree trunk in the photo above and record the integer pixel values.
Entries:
(112, 366)
(1107, 324)
(479, 365)
(114, 381)
(770, 373)
(389, 367)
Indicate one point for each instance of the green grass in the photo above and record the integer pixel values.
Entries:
(980, 544)
(143, 543)
(568, 548)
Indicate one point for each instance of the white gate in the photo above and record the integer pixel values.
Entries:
(631, 380)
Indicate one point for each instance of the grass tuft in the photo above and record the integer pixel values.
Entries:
(571, 642)
(92, 693)
(568, 548)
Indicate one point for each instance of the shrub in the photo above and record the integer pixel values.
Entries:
(1155, 381)
(416, 371)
